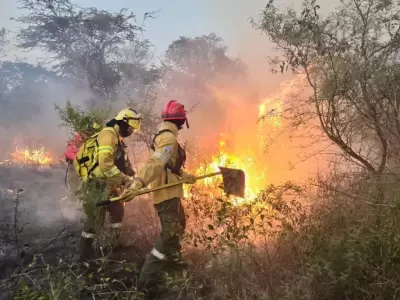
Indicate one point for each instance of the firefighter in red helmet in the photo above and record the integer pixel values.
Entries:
(165, 166)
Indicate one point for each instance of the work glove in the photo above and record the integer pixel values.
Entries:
(128, 180)
(136, 185)
(190, 179)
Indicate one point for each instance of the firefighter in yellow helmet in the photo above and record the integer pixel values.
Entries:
(109, 174)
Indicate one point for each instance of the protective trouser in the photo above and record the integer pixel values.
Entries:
(92, 192)
(167, 250)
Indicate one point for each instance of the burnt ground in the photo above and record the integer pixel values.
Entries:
(35, 215)
(41, 220)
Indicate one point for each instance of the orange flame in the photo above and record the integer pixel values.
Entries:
(256, 139)
(248, 157)
(27, 156)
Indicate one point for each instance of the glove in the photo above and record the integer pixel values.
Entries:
(128, 180)
(190, 179)
(136, 185)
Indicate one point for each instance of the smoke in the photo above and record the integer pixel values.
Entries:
(37, 124)
(44, 202)
(232, 113)
(229, 111)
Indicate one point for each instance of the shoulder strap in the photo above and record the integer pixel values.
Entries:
(154, 148)
(112, 129)
(156, 135)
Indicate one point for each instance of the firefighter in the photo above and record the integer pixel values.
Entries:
(165, 166)
(105, 172)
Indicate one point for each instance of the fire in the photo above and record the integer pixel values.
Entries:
(247, 155)
(244, 162)
(255, 137)
(28, 156)
(32, 156)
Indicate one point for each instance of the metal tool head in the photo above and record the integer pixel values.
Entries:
(234, 181)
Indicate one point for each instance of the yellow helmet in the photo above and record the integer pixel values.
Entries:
(131, 117)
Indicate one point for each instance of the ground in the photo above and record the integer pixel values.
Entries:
(38, 218)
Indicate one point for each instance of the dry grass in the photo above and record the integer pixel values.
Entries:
(343, 246)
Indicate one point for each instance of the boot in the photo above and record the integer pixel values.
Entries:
(86, 249)
(177, 263)
(156, 293)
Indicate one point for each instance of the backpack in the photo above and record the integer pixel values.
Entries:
(73, 148)
(122, 160)
(86, 159)
(70, 154)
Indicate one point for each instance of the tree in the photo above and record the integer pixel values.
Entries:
(139, 84)
(192, 63)
(76, 119)
(193, 67)
(85, 42)
(202, 57)
(3, 41)
(350, 60)
(21, 94)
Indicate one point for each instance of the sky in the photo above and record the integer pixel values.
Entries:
(229, 19)
(174, 17)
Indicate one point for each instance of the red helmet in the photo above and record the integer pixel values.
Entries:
(174, 111)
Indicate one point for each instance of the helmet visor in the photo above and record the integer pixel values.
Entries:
(135, 123)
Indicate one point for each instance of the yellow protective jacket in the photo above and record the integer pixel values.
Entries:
(154, 171)
(109, 149)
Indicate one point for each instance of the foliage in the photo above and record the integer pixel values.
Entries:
(202, 57)
(3, 41)
(24, 292)
(21, 74)
(200, 60)
(348, 247)
(278, 247)
(136, 69)
(151, 119)
(141, 84)
(47, 282)
(21, 90)
(86, 42)
(193, 67)
(350, 60)
(77, 120)
(231, 226)
(94, 45)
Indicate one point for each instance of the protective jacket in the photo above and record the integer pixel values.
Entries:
(165, 165)
(113, 163)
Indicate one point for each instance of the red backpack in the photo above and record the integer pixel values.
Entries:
(73, 147)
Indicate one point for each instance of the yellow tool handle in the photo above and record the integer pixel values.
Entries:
(145, 191)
